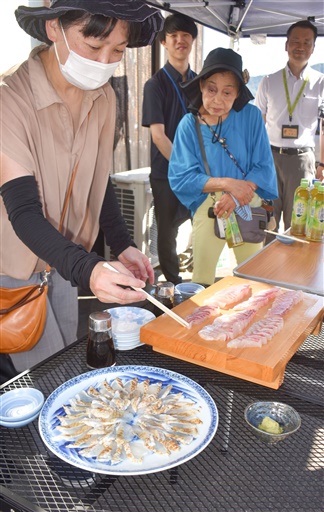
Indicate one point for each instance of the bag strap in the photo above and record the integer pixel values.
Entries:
(67, 197)
(29, 297)
(202, 146)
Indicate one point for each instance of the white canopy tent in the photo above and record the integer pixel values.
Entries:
(248, 18)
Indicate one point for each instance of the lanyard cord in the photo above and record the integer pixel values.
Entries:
(222, 142)
(184, 108)
(292, 107)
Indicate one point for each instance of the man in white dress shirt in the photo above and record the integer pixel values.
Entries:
(290, 101)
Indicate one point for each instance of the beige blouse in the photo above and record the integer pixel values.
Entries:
(37, 132)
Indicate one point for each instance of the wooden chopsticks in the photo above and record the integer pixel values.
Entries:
(287, 236)
(154, 301)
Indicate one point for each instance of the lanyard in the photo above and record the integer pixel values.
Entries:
(177, 90)
(222, 142)
(291, 108)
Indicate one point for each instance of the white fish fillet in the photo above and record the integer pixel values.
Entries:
(200, 314)
(227, 327)
(285, 302)
(258, 300)
(259, 333)
(228, 297)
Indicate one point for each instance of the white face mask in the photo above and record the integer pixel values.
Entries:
(85, 73)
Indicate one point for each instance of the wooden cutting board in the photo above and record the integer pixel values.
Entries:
(265, 365)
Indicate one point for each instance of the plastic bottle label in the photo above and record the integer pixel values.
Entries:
(317, 223)
(232, 234)
(300, 210)
(299, 215)
(221, 226)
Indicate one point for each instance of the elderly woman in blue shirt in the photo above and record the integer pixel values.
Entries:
(237, 151)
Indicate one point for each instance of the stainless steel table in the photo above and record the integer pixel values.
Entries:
(235, 473)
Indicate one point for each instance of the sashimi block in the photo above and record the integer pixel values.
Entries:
(229, 297)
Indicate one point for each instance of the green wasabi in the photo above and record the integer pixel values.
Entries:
(271, 426)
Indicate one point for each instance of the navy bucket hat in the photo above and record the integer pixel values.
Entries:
(216, 60)
(32, 19)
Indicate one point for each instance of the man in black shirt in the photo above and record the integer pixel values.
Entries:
(163, 107)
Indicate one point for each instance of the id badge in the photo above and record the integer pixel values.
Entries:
(289, 131)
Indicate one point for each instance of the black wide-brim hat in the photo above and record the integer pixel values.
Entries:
(32, 19)
(216, 60)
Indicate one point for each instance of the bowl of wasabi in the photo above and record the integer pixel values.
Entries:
(272, 422)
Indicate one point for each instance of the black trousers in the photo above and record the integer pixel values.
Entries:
(169, 214)
(7, 369)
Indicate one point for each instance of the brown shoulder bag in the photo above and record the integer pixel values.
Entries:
(23, 310)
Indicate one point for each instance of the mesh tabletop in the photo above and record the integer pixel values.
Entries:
(236, 472)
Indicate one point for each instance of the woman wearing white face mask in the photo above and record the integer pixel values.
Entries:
(58, 121)
(85, 73)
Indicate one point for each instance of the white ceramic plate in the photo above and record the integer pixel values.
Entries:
(151, 462)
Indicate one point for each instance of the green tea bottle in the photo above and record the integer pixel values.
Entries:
(299, 213)
(315, 230)
(312, 193)
(233, 235)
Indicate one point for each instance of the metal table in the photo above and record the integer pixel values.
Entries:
(298, 266)
(235, 473)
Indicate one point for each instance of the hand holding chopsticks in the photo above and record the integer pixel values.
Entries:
(287, 236)
(154, 301)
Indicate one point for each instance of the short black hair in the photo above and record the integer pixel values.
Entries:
(303, 24)
(178, 22)
(97, 25)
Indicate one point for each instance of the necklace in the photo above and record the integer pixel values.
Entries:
(222, 141)
(216, 136)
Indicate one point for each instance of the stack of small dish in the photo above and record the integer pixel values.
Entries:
(19, 407)
(126, 322)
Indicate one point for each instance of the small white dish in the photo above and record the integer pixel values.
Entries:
(128, 347)
(131, 314)
(126, 337)
(126, 324)
(21, 423)
(20, 404)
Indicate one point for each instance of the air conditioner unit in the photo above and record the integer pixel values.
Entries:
(135, 199)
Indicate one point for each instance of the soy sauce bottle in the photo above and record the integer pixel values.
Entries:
(100, 346)
(164, 293)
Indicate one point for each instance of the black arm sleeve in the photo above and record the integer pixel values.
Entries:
(113, 224)
(25, 213)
